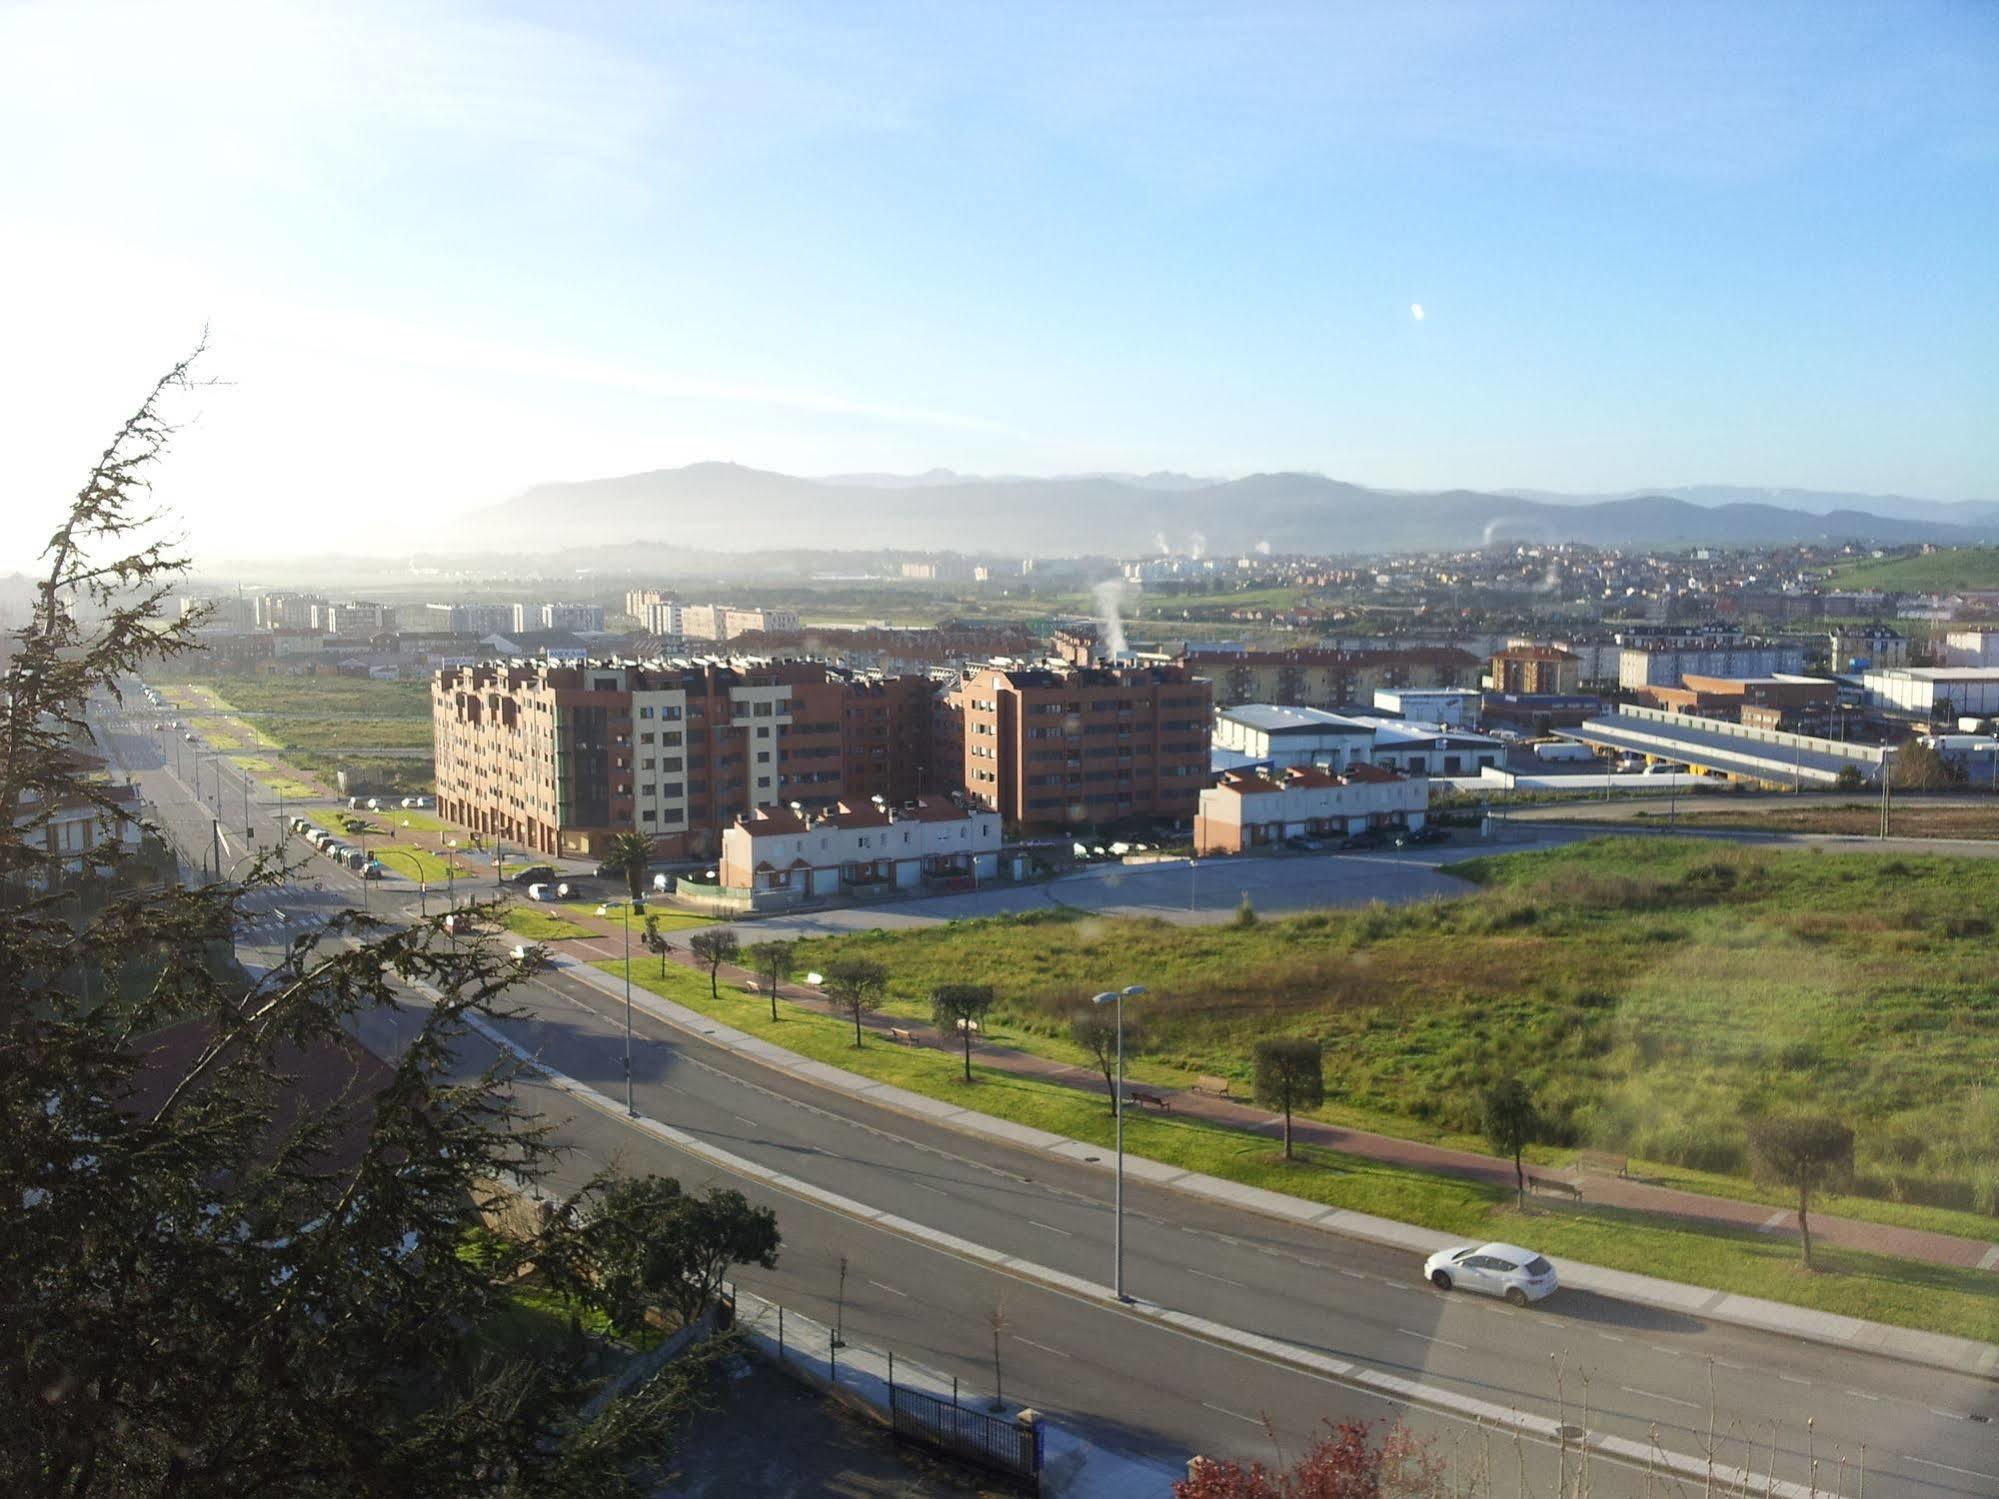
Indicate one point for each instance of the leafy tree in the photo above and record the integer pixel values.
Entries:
(1512, 1123)
(961, 1006)
(774, 962)
(856, 985)
(1245, 913)
(1806, 1152)
(1346, 1463)
(714, 947)
(656, 942)
(630, 854)
(1096, 1032)
(1849, 779)
(1290, 1074)
(207, 1285)
(649, 1244)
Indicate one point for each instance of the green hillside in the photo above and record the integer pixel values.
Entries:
(1924, 572)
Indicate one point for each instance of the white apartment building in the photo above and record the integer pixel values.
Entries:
(786, 854)
(1969, 648)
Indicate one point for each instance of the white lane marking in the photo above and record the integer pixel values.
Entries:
(1661, 1348)
(1428, 1339)
(1793, 1379)
(1722, 1363)
(1222, 1278)
(1991, 1260)
(1655, 1395)
(1967, 1472)
(1610, 1337)
(1353, 1275)
(1862, 1395)
(741, 1119)
(1037, 1223)
(890, 1289)
(1224, 1410)
(1951, 1415)
(1042, 1346)
(926, 1187)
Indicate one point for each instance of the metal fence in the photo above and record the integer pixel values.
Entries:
(995, 1442)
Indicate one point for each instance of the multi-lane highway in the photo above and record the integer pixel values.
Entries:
(1638, 1373)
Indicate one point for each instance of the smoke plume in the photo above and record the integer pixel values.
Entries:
(1110, 599)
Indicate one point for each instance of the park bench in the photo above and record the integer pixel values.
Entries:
(1157, 1100)
(1219, 1086)
(1603, 1162)
(905, 1036)
(1554, 1184)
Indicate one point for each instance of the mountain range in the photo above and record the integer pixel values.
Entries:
(727, 507)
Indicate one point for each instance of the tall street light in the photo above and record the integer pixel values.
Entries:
(1117, 997)
(636, 907)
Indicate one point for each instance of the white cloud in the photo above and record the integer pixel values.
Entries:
(1416, 311)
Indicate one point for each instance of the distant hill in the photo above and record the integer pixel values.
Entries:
(1812, 501)
(726, 507)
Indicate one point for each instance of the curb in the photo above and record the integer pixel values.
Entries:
(1933, 1350)
(1358, 1376)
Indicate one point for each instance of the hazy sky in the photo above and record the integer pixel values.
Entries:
(445, 250)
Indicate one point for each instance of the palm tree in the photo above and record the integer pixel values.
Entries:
(630, 854)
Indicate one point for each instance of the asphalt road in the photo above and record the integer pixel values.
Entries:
(1150, 1390)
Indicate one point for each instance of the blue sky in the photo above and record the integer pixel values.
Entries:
(446, 250)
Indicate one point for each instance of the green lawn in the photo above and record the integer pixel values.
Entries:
(667, 921)
(417, 863)
(538, 925)
(1965, 1302)
(1651, 993)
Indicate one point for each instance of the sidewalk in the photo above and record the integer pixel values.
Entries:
(1937, 1350)
(1633, 1194)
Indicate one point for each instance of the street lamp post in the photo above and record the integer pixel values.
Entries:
(637, 905)
(1117, 997)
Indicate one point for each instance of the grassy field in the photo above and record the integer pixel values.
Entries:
(538, 925)
(667, 921)
(1651, 993)
(320, 725)
(1965, 1302)
(416, 863)
(1919, 572)
(1907, 820)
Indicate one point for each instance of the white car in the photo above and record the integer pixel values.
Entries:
(1520, 1275)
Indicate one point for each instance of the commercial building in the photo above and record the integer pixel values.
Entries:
(779, 856)
(1736, 752)
(1075, 746)
(1536, 712)
(1965, 648)
(1453, 707)
(1255, 809)
(557, 758)
(1536, 669)
(1934, 693)
(1429, 749)
(1327, 679)
(1272, 735)
(1661, 659)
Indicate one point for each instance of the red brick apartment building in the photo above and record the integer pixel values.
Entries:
(1075, 746)
(557, 758)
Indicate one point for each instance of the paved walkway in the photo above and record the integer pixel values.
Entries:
(1603, 1189)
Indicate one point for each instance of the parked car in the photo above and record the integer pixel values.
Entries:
(533, 874)
(1303, 845)
(1520, 1275)
(1430, 832)
(1664, 768)
(1365, 838)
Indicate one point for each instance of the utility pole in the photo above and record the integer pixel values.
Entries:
(215, 833)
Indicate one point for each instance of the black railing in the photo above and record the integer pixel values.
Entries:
(997, 1442)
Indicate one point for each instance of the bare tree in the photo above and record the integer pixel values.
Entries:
(1096, 1032)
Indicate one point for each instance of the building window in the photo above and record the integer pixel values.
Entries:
(645, 713)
